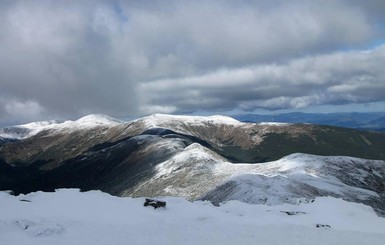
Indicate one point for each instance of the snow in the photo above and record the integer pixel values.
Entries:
(94, 120)
(72, 217)
(27, 130)
(294, 176)
(196, 172)
(192, 152)
(159, 120)
(98, 119)
(273, 124)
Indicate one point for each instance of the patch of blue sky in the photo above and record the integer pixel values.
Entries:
(352, 107)
(120, 12)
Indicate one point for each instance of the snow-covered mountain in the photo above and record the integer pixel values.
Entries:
(73, 217)
(207, 158)
(301, 177)
(199, 173)
(24, 131)
(175, 121)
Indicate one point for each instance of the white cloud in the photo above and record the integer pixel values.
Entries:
(152, 109)
(25, 109)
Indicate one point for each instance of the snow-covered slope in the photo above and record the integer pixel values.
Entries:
(181, 123)
(31, 129)
(199, 173)
(25, 130)
(95, 120)
(213, 129)
(299, 176)
(72, 217)
(186, 174)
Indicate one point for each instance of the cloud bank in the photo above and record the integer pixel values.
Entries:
(67, 59)
(338, 78)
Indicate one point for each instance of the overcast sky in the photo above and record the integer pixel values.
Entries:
(67, 59)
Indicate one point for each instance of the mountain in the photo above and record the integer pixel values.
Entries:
(301, 177)
(27, 130)
(213, 158)
(368, 121)
(378, 123)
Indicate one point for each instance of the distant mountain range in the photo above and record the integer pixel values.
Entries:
(366, 121)
(213, 158)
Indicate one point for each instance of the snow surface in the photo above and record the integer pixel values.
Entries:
(159, 120)
(27, 130)
(273, 124)
(71, 217)
(94, 120)
(296, 175)
(199, 173)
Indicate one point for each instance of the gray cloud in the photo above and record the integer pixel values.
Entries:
(338, 78)
(60, 60)
(67, 59)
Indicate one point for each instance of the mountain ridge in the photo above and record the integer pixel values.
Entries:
(198, 158)
(355, 120)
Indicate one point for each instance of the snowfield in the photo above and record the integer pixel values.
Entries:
(71, 217)
(158, 120)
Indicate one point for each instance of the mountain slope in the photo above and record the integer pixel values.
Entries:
(198, 158)
(378, 123)
(299, 176)
(249, 142)
(198, 173)
(24, 131)
(239, 142)
(373, 121)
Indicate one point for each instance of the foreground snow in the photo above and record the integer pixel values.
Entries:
(70, 217)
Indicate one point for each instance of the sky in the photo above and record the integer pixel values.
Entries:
(67, 59)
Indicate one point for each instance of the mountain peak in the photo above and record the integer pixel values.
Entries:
(98, 119)
(164, 119)
(27, 130)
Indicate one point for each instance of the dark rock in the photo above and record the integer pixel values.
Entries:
(154, 203)
(293, 212)
(322, 226)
